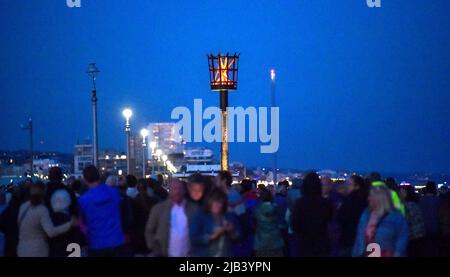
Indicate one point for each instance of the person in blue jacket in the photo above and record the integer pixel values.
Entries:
(100, 212)
(212, 229)
(382, 229)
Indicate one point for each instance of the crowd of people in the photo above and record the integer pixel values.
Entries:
(203, 216)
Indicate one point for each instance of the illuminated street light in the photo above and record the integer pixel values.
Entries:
(152, 147)
(159, 153)
(127, 113)
(164, 159)
(144, 135)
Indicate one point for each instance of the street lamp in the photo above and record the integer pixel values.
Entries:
(164, 159)
(144, 134)
(127, 113)
(158, 155)
(223, 76)
(152, 147)
(272, 82)
(93, 73)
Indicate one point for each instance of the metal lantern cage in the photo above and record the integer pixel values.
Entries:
(223, 71)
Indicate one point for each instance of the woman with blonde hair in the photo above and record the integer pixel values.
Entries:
(382, 230)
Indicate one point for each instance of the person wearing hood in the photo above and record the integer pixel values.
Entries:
(268, 238)
(100, 209)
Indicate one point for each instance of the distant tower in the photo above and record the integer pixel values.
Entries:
(273, 88)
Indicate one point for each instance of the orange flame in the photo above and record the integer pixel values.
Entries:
(221, 76)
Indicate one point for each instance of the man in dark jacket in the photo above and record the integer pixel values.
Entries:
(349, 213)
(141, 207)
(310, 218)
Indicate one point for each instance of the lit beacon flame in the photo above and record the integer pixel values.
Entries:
(272, 74)
(221, 76)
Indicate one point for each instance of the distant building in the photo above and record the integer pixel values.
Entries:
(83, 156)
(113, 162)
(17, 163)
(41, 166)
(166, 137)
(198, 155)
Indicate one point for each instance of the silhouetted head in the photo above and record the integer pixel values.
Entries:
(246, 185)
(55, 175)
(282, 187)
(407, 194)
(76, 186)
(131, 181)
(142, 185)
(374, 176)
(312, 185)
(91, 176)
(356, 182)
(37, 192)
(224, 179)
(391, 183)
(265, 195)
(431, 188)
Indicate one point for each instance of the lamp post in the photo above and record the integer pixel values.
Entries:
(152, 147)
(158, 155)
(223, 77)
(164, 159)
(29, 127)
(127, 113)
(144, 134)
(273, 86)
(93, 72)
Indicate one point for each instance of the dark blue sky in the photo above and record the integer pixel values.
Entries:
(358, 88)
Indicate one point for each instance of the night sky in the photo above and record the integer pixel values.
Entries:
(358, 88)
